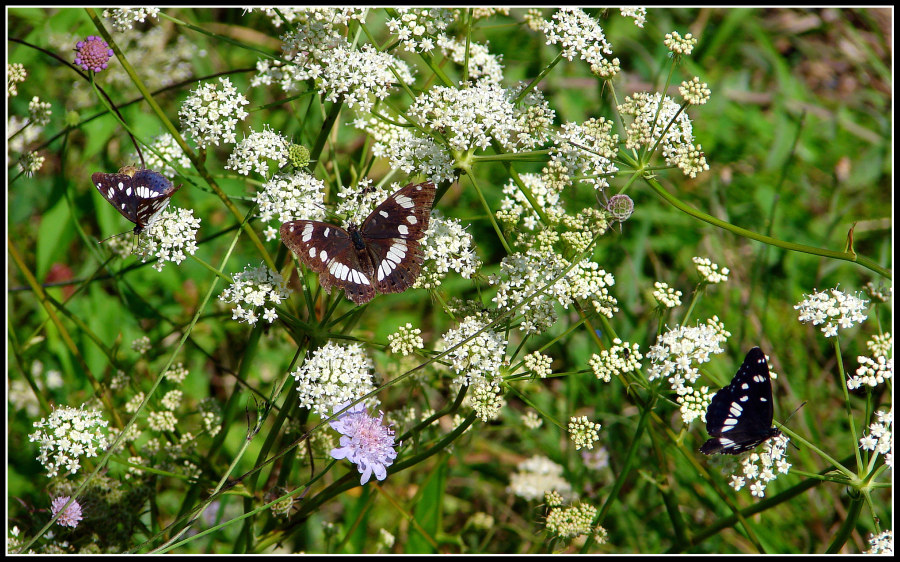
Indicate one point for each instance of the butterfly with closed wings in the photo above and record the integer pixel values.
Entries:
(383, 255)
(739, 416)
(140, 195)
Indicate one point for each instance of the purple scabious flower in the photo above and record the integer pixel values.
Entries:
(365, 441)
(92, 54)
(71, 516)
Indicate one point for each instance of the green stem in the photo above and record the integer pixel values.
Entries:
(847, 256)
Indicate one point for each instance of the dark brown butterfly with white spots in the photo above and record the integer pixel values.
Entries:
(383, 255)
(140, 195)
(739, 416)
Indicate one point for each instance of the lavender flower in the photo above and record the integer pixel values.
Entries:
(71, 516)
(365, 441)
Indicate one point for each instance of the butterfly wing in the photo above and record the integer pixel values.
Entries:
(391, 234)
(113, 187)
(153, 191)
(328, 250)
(739, 416)
(140, 196)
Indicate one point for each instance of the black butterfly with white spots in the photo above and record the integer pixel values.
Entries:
(383, 255)
(739, 416)
(140, 195)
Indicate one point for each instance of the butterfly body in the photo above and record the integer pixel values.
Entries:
(139, 195)
(380, 256)
(739, 416)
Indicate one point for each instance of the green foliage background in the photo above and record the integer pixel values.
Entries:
(798, 134)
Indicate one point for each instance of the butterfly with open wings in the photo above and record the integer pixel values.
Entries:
(140, 195)
(739, 416)
(383, 255)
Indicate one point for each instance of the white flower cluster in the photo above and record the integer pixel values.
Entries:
(211, 416)
(254, 152)
(882, 543)
(583, 432)
(123, 19)
(536, 476)
(571, 522)
(446, 246)
(407, 150)
(666, 296)
(162, 421)
(416, 28)
(176, 374)
(479, 358)
(710, 272)
(674, 356)
(299, 17)
(579, 35)
(761, 474)
(872, 371)
(695, 92)
(332, 375)
(652, 115)
(31, 163)
(539, 364)
(881, 437)
(516, 209)
(406, 340)
(315, 33)
(639, 15)
(532, 420)
(586, 151)
(172, 235)
(680, 45)
(837, 310)
(619, 359)
(67, 435)
(210, 114)
(169, 151)
(284, 198)
(483, 65)
(358, 76)
(141, 345)
(39, 111)
(15, 73)
(255, 288)
(481, 114)
(529, 272)
(484, 397)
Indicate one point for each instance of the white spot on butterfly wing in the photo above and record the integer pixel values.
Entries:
(404, 201)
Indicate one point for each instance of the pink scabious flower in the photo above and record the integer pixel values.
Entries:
(365, 441)
(71, 516)
(93, 54)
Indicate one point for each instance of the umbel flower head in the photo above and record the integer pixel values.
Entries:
(92, 54)
(365, 441)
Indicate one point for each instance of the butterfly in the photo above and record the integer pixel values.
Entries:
(739, 416)
(383, 255)
(140, 195)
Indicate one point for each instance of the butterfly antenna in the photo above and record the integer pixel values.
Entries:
(113, 236)
(789, 417)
